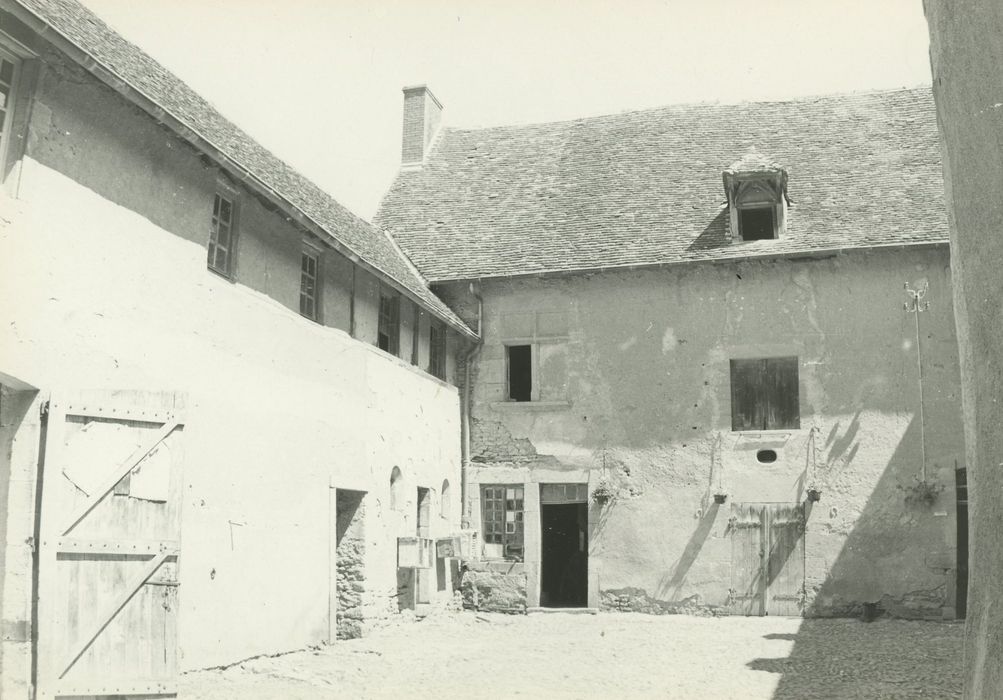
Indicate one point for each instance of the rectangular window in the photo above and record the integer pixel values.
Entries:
(437, 350)
(520, 372)
(502, 511)
(221, 236)
(764, 394)
(756, 224)
(9, 65)
(309, 276)
(388, 332)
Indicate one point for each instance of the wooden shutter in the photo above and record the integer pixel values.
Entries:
(748, 405)
(780, 390)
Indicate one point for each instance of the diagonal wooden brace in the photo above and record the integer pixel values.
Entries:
(120, 471)
(109, 613)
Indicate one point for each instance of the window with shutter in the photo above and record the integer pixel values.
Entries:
(764, 394)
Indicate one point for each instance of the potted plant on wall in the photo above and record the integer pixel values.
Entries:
(814, 494)
(603, 493)
(924, 492)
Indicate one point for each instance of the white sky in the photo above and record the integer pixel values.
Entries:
(319, 82)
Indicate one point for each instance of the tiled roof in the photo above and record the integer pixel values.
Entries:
(130, 64)
(645, 187)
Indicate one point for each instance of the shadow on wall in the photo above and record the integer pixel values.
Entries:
(886, 561)
(669, 588)
(888, 555)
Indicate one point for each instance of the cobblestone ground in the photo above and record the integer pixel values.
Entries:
(463, 655)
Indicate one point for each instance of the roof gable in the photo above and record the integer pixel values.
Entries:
(645, 188)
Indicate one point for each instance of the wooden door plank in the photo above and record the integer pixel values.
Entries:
(50, 461)
(120, 471)
(123, 597)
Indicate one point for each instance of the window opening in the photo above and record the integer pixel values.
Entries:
(445, 506)
(437, 350)
(8, 74)
(764, 394)
(388, 333)
(396, 486)
(502, 512)
(221, 236)
(756, 224)
(308, 284)
(520, 372)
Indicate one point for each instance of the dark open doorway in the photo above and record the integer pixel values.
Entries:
(349, 572)
(565, 552)
(961, 518)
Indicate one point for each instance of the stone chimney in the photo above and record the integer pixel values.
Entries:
(422, 115)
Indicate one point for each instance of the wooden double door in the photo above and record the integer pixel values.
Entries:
(767, 559)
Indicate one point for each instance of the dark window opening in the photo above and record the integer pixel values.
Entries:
(520, 372)
(766, 456)
(764, 394)
(437, 350)
(388, 332)
(756, 224)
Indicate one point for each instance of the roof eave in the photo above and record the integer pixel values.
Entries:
(806, 253)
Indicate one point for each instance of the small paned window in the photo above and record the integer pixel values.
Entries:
(756, 224)
(388, 332)
(520, 372)
(221, 236)
(8, 77)
(437, 350)
(764, 394)
(308, 284)
(502, 511)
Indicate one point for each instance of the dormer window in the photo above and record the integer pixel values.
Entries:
(756, 189)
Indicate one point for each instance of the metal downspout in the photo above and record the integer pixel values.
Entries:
(468, 359)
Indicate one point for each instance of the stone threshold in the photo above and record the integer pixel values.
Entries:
(569, 611)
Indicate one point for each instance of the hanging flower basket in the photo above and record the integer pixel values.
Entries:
(603, 493)
(814, 495)
(923, 492)
(720, 497)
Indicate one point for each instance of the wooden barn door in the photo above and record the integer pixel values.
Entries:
(110, 544)
(767, 559)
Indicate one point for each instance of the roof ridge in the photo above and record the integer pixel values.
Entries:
(681, 106)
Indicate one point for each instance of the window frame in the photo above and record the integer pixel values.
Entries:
(310, 253)
(771, 208)
(10, 108)
(534, 388)
(391, 320)
(220, 196)
(515, 539)
(437, 349)
(756, 383)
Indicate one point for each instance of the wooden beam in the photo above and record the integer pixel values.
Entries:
(109, 613)
(120, 471)
(119, 547)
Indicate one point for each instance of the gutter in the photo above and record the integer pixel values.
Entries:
(468, 359)
(134, 95)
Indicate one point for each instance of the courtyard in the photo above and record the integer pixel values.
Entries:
(561, 655)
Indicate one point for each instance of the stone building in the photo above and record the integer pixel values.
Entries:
(718, 367)
(175, 296)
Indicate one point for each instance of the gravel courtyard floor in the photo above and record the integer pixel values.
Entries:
(559, 655)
